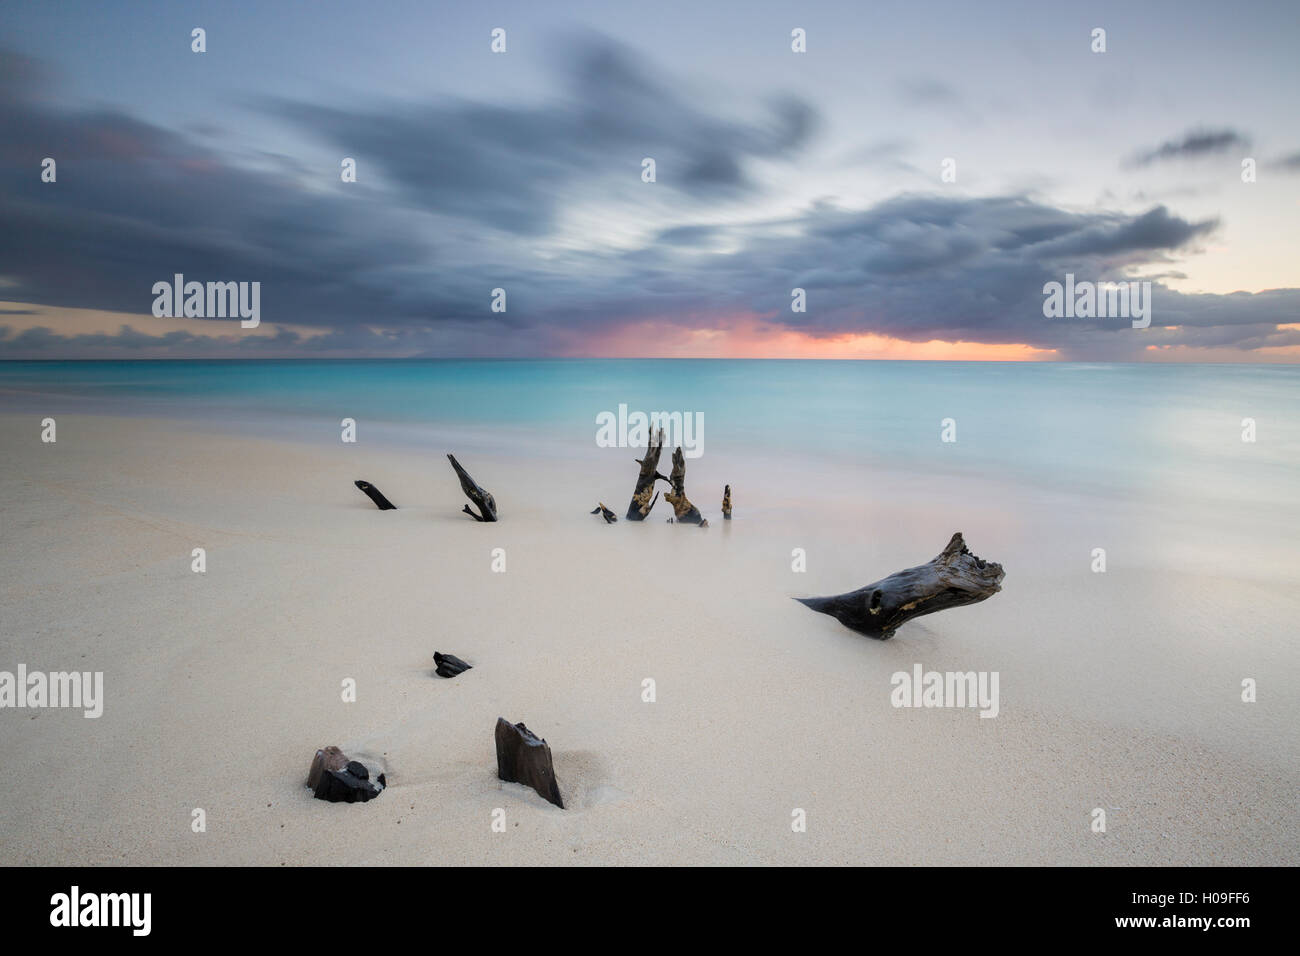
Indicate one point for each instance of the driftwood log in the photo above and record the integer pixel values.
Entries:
(523, 757)
(375, 495)
(953, 578)
(683, 511)
(604, 512)
(448, 665)
(726, 502)
(335, 778)
(642, 500)
(487, 505)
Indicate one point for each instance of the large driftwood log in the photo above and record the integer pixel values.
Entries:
(375, 495)
(644, 497)
(523, 757)
(683, 510)
(487, 505)
(953, 578)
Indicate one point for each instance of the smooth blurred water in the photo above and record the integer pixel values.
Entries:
(1149, 430)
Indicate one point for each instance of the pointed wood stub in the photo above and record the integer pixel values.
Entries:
(487, 505)
(523, 757)
(644, 496)
(375, 495)
(683, 511)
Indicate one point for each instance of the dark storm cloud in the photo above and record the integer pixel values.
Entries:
(1193, 145)
(508, 168)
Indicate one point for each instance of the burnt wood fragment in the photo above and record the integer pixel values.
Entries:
(375, 495)
(335, 778)
(523, 757)
(449, 665)
(604, 512)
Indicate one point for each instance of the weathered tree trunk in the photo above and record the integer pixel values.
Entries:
(726, 503)
(642, 501)
(953, 578)
(604, 512)
(449, 665)
(523, 757)
(376, 496)
(683, 510)
(487, 505)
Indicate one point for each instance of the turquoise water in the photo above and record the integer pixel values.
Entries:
(1102, 427)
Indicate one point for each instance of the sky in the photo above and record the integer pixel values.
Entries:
(920, 171)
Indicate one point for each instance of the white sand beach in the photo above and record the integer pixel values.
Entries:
(1119, 690)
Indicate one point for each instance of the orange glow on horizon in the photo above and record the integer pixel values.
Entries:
(751, 338)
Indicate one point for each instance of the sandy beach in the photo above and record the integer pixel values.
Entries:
(1119, 691)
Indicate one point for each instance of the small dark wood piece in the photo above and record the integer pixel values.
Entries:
(335, 778)
(954, 578)
(726, 503)
(604, 512)
(683, 511)
(449, 665)
(642, 500)
(375, 495)
(327, 758)
(523, 757)
(487, 505)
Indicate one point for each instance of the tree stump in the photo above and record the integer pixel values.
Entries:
(953, 578)
(683, 511)
(642, 501)
(374, 494)
(523, 757)
(726, 503)
(487, 505)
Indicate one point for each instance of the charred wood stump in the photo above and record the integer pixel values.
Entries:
(726, 502)
(604, 512)
(487, 505)
(375, 495)
(335, 778)
(954, 578)
(683, 511)
(523, 757)
(448, 665)
(644, 497)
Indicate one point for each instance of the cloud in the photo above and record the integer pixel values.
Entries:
(927, 91)
(1290, 164)
(466, 197)
(1193, 145)
(512, 168)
